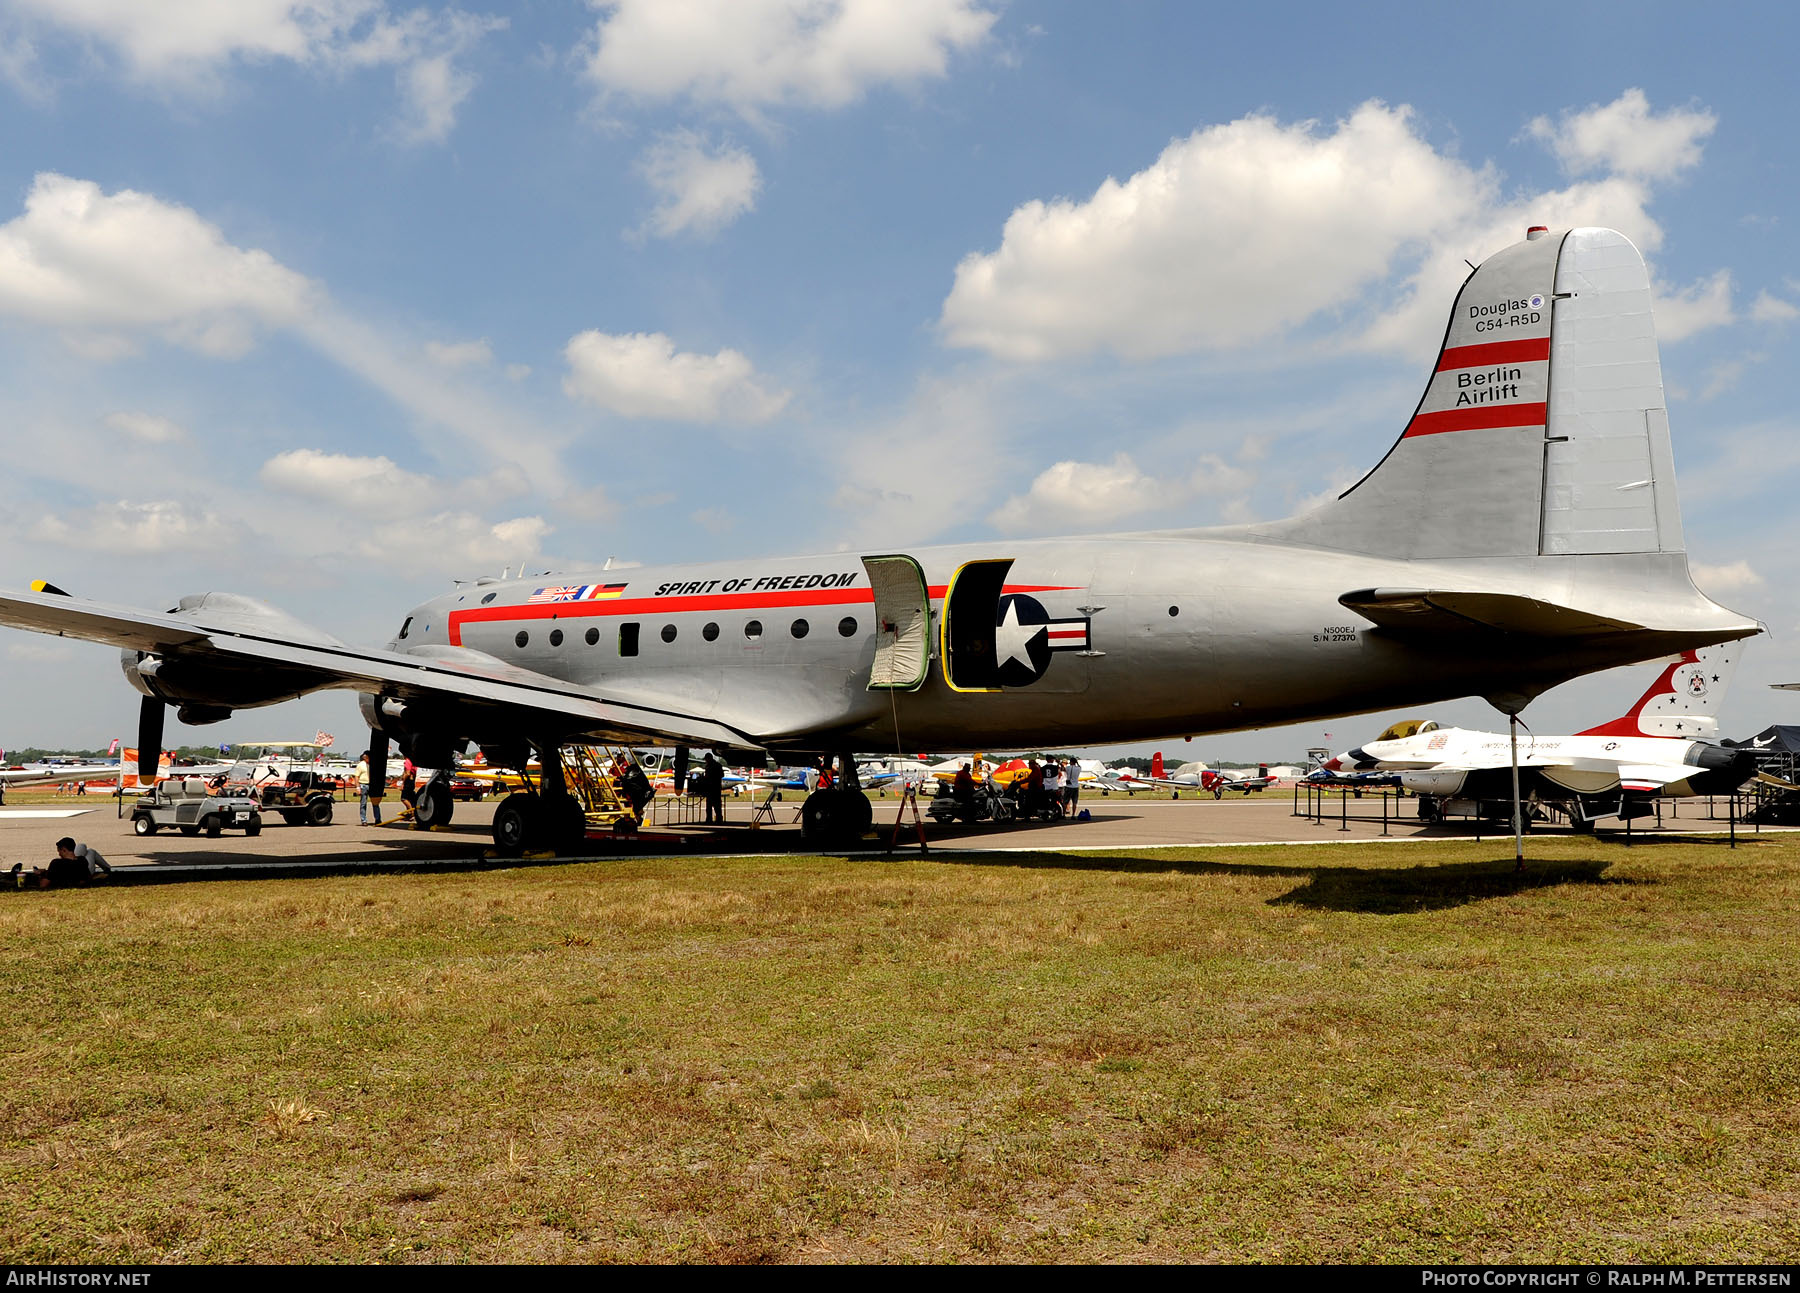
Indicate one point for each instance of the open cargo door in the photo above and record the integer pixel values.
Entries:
(902, 623)
(968, 624)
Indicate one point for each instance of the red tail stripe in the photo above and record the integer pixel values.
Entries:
(1477, 419)
(1495, 352)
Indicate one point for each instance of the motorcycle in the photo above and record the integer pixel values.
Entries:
(982, 805)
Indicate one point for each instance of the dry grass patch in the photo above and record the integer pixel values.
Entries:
(1392, 1052)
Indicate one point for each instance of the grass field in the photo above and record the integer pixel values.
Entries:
(1385, 1052)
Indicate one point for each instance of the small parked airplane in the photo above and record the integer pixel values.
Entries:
(1662, 746)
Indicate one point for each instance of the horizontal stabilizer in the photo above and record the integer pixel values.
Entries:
(1654, 776)
(1440, 611)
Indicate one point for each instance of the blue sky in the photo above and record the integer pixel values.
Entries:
(333, 301)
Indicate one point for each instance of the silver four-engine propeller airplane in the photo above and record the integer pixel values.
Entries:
(1523, 530)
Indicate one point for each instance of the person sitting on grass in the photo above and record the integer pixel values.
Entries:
(73, 866)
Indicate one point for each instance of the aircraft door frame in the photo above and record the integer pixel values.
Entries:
(970, 656)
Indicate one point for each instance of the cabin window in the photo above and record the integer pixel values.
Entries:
(628, 636)
(522, 638)
(555, 637)
(490, 597)
(801, 628)
(753, 630)
(847, 627)
(592, 636)
(668, 633)
(710, 632)
(1174, 611)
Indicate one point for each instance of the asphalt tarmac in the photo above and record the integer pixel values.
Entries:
(28, 835)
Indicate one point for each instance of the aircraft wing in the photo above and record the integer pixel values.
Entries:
(440, 672)
(52, 776)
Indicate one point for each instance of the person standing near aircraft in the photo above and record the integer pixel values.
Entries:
(364, 797)
(712, 785)
(1071, 787)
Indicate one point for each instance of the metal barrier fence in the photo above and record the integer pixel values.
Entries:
(1741, 806)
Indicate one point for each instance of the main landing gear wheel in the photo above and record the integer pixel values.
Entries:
(434, 807)
(517, 825)
(835, 818)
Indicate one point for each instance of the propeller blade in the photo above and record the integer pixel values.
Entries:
(150, 734)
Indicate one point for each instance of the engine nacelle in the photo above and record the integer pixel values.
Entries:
(427, 742)
(208, 685)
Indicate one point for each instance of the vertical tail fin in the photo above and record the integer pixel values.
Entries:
(1156, 765)
(1543, 429)
(1684, 700)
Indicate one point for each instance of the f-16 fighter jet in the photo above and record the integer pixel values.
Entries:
(1663, 746)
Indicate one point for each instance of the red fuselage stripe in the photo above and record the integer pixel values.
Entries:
(764, 601)
(1490, 415)
(1495, 352)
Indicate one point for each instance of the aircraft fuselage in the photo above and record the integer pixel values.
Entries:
(1110, 640)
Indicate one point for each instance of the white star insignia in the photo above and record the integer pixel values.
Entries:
(1012, 639)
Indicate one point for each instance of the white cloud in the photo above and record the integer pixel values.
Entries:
(1086, 494)
(184, 44)
(1702, 304)
(1725, 374)
(952, 425)
(141, 529)
(1725, 578)
(451, 542)
(698, 191)
(146, 427)
(517, 372)
(750, 54)
(81, 259)
(1625, 137)
(378, 486)
(1234, 234)
(1242, 234)
(106, 269)
(1772, 309)
(460, 354)
(432, 86)
(371, 484)
(642, 375)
